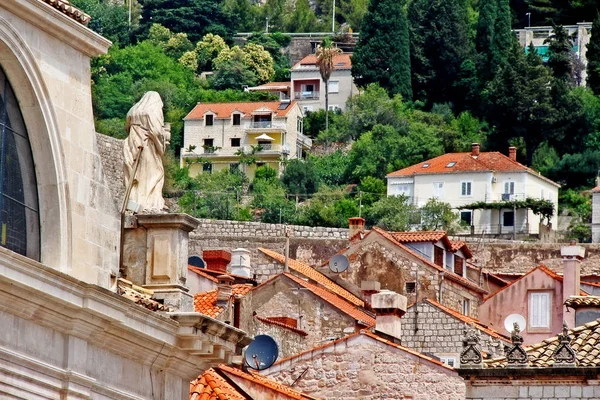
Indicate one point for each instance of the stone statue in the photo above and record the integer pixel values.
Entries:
(143, 150)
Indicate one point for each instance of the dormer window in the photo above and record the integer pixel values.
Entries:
(209, 119)
(236, 119)
(451, 164)
(426, 165)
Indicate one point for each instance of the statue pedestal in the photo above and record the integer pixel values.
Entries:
(167, 237)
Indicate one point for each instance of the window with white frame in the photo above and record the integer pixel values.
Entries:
(449, 361)
(334, 86)
(466, 307)
(465, 188)
(509, 187)
(209, 119)
(438, 189)
(334, 107)
(539, 310)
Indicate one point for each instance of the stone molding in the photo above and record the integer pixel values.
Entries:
(52, 299)
(59, 25)
(184, 222)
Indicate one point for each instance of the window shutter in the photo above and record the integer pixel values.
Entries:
(506, 187)
(468, 188)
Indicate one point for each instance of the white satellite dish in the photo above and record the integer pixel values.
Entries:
(509, 322)
(339, 263)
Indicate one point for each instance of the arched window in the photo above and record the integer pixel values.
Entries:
(19, 208)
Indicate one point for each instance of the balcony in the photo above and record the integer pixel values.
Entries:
(304, 140)
(262, 125)
(268, 149)
(307, 95)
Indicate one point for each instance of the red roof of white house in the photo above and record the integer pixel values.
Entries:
(466, 162)
(340, 61)
(224, 110)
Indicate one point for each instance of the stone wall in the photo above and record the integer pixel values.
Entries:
(289, 342)
(536, 389)
(111, 154)
(521, 257)
(435, 332)
(363, 368)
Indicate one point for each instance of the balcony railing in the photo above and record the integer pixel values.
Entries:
(265, 125)
(306, 95)
(304, 140)
(262, 148)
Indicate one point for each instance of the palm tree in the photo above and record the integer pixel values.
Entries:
(325, 55)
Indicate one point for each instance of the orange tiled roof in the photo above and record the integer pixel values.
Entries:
(461, 245)
(224, 110)
(266, 382)
(66, 8)
(203, 274)
(540, 267)
(469, 320)
(448, 274)
(206, 302)
(340, 61)
(465, 162)
(421, 236)
(585, 342)
(139, 295)
(596, 189)
(583, 301)
(211, 386)
(368, 333)
(281, 324)
(314, 275)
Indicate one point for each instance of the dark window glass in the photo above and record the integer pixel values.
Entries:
(207, 167)
(236, 119)
(19, 210)
(235, 142)
(508, 218)
(465, 217)
(209, 120)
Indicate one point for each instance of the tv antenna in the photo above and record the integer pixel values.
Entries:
(339, 263)
(262, 353)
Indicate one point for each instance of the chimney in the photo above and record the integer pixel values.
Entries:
(389, 307)
(475, 150)
(216, 260)
(571, 256)
(224, 290)
(368, 289)
(240, 263)
(512, 153)
(357, 224)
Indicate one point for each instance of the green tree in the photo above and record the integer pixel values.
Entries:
(504, 37)
(560, 54)
(331, 168)
(382, 54)
(354, 12)
(193, 17)
(253, 56)
(233, 74)
(110, 19)
(393, 213)
(327, 207)
(301, 18)
(593, 58)
(325, 55)
(243, 13)
(274, 43)
(437, 215)
(300, 177)
(371, 190)
(208, 49)
(439, 47)
(484, 41)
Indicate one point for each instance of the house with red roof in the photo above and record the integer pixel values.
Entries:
(462, 179)
(216, 136)
(308, 89)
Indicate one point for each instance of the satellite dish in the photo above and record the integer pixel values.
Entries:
(262, 353)
(196, 261)
(339, 263)
(509, 322)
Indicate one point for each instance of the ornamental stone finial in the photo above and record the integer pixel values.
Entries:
(564, 355)
(516, 356)
(470, 356)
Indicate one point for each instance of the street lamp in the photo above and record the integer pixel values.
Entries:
(528, 19)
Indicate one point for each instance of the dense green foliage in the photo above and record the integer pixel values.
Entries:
(593, 59)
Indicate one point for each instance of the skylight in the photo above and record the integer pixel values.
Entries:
(426, 165)
(451, 164)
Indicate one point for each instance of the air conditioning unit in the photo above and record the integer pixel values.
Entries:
(494, 179)
(505, 196)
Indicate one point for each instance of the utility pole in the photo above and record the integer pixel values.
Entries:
(528, 19)
(359, 204)
(130, 7)
(333, 19)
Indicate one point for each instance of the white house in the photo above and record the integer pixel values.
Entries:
(309, 89)
(221, 133)
(464, 178)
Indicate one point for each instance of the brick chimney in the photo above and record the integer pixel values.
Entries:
(512, 153)
(216, 260)
(475, 150)
(356, 225)
(368, 289)
(224, 290)
(571, 256)
(389, 307)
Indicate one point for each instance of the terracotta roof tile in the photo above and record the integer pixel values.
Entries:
(224, 110)
(139, 295)
(368, 333)
(447, 274)
(340, 61)
(596, 189)
(281, 324)
(206, 302)
(583, 301)
(468, 320)
(203, 274)
(540, 267)
(66, 8)
(211, 386)
(465, 162)
(585, 342)
(314, 275)
(420, 236)
(266, 382)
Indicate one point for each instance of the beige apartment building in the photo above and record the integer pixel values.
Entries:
(308, 89)
(243, 135)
